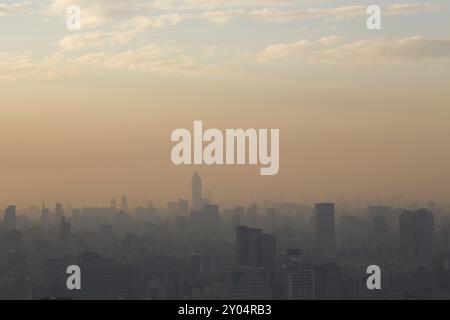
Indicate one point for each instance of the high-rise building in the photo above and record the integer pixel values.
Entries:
(64, 234)
(383, 211)
(45, 216)
(124, 203)
(416, 235)
(327, 281)
(254, 248)
(172, 207)
(211, 214)
(249, 283)
(380, 231)
(183, 207)
(424, 234)
(196, 192)
(113, 203)
(325, 229)
(406, 235)
(248, 245)
(106, 279)
(298, 281)
(268, 250)
(59, 212)
(10, 218)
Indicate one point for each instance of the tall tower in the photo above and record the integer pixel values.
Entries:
(416, 230)
(124, 203)
(10, 218)
(325, 229)
(59, 212)
(196, 192)
(255, 248)
(113, 204)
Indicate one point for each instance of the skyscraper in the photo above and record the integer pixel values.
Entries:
(196, 192)
(383, 211)
(424, 234)
(298, 279)
(416, 230)
(64, 236)
(254, 248)
(268, 250)
(325, 229)
(124, 203)
(327, 281)
(406, 235)
(10, 218)
(249, 283)
(113, 203)
(183, 207)
(45, 216)
(59, 212)
(248, 245)
(380, 231)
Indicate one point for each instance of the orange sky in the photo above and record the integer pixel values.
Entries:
(87, 115)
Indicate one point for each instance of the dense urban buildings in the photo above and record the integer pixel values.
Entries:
(199, 250)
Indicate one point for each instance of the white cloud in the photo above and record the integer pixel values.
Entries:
(336, 13)
(7, 9)
(81, 41)
(98, 12)
(329, 50)
(147, 58)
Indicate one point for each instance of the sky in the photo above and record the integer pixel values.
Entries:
(87, 114)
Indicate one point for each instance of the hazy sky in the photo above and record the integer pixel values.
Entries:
(87, 115)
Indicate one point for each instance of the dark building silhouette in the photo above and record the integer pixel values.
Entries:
(196, 192)
(151, 252)
(297, 277)
(328, 281)
(113, 203)
(45, 216)
(59, 212)
(10, 218)
(249, 283)
(380, 231)
(254, 248)
(107, 279)
(64, 234)
(183, 207)
(325, 229)
(416, 235)
(124, 203)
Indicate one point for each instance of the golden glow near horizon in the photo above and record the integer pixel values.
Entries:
(87, 114)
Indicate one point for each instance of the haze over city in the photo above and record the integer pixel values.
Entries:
(87, 114)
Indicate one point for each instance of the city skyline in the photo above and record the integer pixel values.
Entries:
(279, 251)
(197, 199)
(198, 196)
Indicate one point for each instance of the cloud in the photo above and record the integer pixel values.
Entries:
(79, 41)
(7, 9)
(336, 13)
(161, 13)
(330, 50)
(151, 58)
(147, 58)
(24, 66)
(140, 23)
(98, 12)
